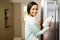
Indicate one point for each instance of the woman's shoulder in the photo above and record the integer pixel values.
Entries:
(27, 18)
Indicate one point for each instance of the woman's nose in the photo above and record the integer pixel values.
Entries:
(35, 11)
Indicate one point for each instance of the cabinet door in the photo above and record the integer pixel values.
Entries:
(6, 33)
(9, 28)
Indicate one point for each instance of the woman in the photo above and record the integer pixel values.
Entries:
(31, 26)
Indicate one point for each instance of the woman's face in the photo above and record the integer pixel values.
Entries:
(33, 10)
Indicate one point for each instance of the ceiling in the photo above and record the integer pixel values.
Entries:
(20, 0)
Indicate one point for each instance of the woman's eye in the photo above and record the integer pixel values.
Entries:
(32, 9)
(36, 9)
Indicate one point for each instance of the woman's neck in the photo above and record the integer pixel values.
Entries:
(31, 15)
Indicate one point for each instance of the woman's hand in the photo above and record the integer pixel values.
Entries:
(49, 22)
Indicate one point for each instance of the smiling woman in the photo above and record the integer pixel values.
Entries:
(31, 26)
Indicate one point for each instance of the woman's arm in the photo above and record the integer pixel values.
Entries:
(35, 30)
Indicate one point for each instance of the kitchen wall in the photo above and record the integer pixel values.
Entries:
(17, 20)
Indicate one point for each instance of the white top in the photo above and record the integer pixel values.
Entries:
(31, 30)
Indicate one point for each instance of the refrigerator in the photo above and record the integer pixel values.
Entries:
(50, 8)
